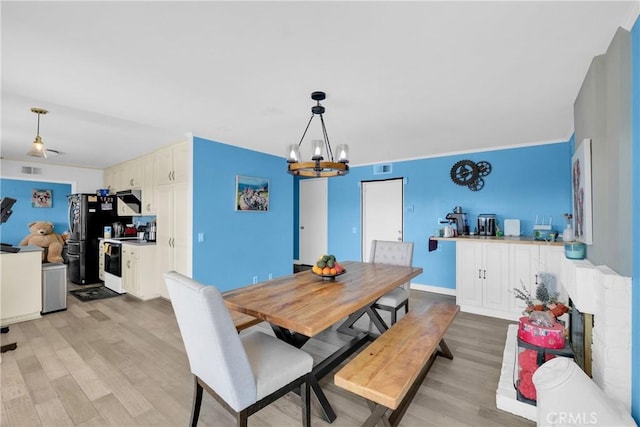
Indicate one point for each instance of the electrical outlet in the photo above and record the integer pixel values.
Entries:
(270, 276)
(255, 279)
(200, 237)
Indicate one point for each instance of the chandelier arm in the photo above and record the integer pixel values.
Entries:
(326, 138)
(306, 129)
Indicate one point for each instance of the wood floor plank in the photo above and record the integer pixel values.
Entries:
(53, 414)
(37, 382)
(74, 400)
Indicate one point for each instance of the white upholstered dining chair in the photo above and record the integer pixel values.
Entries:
(395, 253)
(243, 373)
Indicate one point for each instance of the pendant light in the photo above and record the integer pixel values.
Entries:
(317, 167)
(37, 148)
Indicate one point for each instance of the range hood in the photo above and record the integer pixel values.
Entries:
(132, 198)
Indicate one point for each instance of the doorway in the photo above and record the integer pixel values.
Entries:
(313, 232)
(382, 204)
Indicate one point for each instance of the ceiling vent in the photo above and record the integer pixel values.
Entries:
(30, 170)
(382, 169)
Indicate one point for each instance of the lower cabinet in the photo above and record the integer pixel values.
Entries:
(482, 277)
(487, 273)
(139, 271)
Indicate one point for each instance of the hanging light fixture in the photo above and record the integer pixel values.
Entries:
(317, 167)
(37, 148)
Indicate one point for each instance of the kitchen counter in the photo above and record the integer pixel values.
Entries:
(129, 241)
(502, 239)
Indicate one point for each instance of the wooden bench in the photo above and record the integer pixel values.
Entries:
(389, 372)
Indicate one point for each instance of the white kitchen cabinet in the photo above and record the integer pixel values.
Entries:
(109, 177)
(173, 232)
(482, 277)
(173, 164)
(532, 264)
(139, 270)
(149, 188)
(20, 285)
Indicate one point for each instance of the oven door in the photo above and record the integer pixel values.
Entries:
(113, 259)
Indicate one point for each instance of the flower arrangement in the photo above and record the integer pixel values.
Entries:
(544, 301)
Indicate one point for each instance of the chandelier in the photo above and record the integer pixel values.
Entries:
(317, 167)
(37, 148)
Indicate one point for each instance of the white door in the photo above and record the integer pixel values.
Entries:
(313, 233)
(382, 209)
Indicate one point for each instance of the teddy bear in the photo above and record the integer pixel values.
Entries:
(42, 235)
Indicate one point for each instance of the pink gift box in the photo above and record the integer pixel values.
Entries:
(547, 337)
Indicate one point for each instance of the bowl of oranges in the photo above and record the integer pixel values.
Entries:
(328, 267)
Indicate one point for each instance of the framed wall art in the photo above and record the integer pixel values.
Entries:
(581, 192)
(252, 194)
(41, 198)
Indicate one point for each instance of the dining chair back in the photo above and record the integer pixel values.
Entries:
(395, 253)
(243, 373)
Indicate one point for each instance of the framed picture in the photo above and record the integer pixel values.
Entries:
(581, 191)
(252, 194)
(41, 198)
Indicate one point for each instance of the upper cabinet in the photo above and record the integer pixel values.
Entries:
(138, 174)
(173, 164)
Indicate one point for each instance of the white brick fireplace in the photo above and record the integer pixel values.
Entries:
(599, 291)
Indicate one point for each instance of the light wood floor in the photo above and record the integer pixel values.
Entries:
(120, 362)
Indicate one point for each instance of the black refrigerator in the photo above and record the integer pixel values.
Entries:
(88, 214)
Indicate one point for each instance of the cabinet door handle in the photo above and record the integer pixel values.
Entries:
(536, 279)
(128, 264)
(485, 274)
(173, 175)
(131, 182)
(169, 175)
(479, 274)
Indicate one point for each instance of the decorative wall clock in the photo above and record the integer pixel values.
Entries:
(470, 174)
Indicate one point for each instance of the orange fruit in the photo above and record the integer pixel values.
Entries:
(326, 271)
(333, 271)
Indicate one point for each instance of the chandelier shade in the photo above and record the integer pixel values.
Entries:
(37, 147)
(320, 148)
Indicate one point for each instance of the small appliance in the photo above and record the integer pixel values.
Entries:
(458, 218)
(487, 225)
(150, 233)
(512, 227)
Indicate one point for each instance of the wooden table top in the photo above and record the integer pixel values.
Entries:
(307, 304)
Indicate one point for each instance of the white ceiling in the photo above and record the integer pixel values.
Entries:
(403, 79)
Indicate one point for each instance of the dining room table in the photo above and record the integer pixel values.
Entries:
(302, 305)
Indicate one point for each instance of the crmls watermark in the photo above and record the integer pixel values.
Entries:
(572, 418)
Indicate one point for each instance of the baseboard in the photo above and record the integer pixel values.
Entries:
(433, 289)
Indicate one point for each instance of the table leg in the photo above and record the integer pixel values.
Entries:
(325, 366)
(347, 326)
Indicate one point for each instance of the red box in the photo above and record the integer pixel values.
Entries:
(547, 337)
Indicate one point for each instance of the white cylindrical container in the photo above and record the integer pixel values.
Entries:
(566, 396)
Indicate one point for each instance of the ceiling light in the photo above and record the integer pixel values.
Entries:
(317, 167)
(37, 148)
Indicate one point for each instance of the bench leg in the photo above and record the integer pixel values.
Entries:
(377, 416)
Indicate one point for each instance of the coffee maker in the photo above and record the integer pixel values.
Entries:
(150, 233)
(486, 225)
(460, 220)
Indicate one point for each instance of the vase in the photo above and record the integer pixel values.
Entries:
(567, 234)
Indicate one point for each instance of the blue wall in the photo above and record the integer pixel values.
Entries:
(523, 182)
(16, 228)
(635, 279)
(239, 245)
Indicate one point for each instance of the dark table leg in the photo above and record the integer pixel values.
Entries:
(324, 367)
